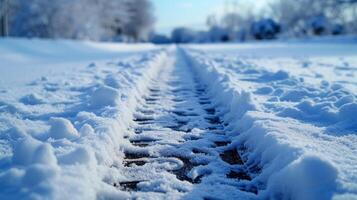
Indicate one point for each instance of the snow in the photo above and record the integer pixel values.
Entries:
(67, 110)
(34, 56)
(31, 99)
(301, 133)
(62, 129)
(52, 143)
(104, 96)
(307, 172)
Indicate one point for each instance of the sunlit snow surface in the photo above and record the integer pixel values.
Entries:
(293, 105)
(65, 108)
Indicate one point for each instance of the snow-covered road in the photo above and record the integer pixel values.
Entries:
(178, 147)
(255, 121)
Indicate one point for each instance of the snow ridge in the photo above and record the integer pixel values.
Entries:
(72, 143)
(291, 155)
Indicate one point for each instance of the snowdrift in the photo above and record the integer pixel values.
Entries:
(60, 133)
(292, 157)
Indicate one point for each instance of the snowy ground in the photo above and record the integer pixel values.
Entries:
(81, 120)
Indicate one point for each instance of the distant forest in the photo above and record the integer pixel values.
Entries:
(129, 20)
(280, 19)
(133, 21)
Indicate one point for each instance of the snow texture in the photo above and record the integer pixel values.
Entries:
(66, 109)
(299, 132)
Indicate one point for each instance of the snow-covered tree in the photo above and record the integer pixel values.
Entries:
(159, 39)
(294, 17)
(32, 18)
(219, 34)
(265, 29)
(114, 17)
(77, 26)
(141, 20)
(301, 17)
(82, 19)
(183, 35)
(211, 21)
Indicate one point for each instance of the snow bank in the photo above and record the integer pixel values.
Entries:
(294, 138)
(62, 139)
(44, 58)
(45, 50)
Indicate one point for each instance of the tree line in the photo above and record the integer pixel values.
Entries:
(118, 20)
(133, 20)
(280, 19)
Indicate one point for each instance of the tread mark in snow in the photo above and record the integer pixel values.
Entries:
(137, 162)
(231, 157)
(238, 175)
(181, 173)
(128, 185)
(143, 142)
(136, 155)
(179, 113)
(221, 143)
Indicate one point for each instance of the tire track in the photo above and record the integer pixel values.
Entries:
(178, 143)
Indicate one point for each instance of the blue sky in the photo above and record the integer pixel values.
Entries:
(192, 13)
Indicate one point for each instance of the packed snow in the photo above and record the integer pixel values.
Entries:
(68, 110)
